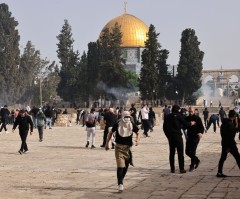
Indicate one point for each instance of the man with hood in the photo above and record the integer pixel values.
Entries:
(172, 126)
(124, 129)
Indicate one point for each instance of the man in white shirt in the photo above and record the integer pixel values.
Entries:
(145, 121)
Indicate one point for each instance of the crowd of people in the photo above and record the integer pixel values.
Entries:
(179, 121)
(26, 119)
(120, 124)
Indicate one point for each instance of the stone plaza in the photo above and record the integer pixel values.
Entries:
(61, 167)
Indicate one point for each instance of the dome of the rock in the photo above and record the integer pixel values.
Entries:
(134, 31)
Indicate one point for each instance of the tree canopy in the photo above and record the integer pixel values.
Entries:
(190, 64)
(154, 73)
(9, 56)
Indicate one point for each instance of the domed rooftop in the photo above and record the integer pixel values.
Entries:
(134, 31)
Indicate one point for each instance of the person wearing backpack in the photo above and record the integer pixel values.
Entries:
(228, 131)
(41, 120)
(90, 122)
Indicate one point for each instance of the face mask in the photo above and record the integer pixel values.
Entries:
(126, 119)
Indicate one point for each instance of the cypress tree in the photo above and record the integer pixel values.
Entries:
(190, 64)
(9, 55)
(148, 82)
(69, 64)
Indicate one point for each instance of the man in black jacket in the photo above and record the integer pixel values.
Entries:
(110, 119)
(4, 113)
(172, 126)
(23, 121)
(205, 116)
(228, 131)
(194, 134)
(222, 114)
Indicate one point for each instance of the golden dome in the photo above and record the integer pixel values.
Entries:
(134, 31)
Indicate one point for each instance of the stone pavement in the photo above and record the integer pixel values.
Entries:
(61, 167)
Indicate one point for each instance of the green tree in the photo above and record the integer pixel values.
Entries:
(148, 82)
(9, 56)
(69, 60)
(93, 63)
(30, 62)
(35, 72)
(83, 83)
(50, 83)
(111, 69)
(190, 64)
(164, 76)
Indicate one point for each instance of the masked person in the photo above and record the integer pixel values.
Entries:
(124, 129)
(23, 121)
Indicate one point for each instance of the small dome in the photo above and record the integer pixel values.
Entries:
(134, 31)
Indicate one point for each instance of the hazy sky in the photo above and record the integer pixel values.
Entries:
(216, 22)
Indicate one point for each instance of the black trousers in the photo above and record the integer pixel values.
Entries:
(176, 141)
(191, 147)
(23, 134)
(146, 127)
(205, 121)
(105, 134)
(234, 151)
(4, 123)
(121, 172)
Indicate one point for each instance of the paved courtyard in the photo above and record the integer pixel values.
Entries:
(61, 167)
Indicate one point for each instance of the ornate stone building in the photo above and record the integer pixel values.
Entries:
(134, 34)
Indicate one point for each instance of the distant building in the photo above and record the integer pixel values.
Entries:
(134, 34)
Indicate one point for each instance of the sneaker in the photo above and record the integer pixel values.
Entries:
(172, 170)
(120, 188)
(26, 151)
(197, 164)
(191, 168)
(20, 152)
(102, 146)
(92, 147)
(40, 140)
(87, 144)
(183, 171)
(221, 175)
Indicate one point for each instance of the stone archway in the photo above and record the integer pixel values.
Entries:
(217, 74)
